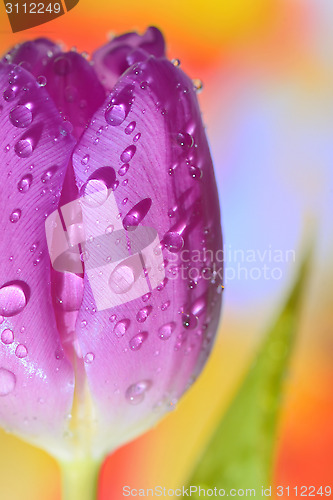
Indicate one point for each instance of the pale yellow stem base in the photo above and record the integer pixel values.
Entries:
(80, 479)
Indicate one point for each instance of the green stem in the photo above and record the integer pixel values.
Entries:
(80, 479)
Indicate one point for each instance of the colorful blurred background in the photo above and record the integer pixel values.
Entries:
(267, 68)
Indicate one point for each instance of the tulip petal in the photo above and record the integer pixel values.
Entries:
(33, 55)
(114, 58)
(143, 343)
(68, 77)
(36, 378)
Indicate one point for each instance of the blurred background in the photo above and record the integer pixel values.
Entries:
(267, 102)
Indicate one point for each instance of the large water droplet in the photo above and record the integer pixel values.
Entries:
(173, 241)
(189, 321)
(143, 314)
(135, 393)
(25, 183)
(185, 140)
(166, 330)
(7, 382)
(20, 116)
(10, 93)
(95, 193)
(121, 327)
(137, 214)
(13, 298)
(136, 342)
(128, 154)
(122, 279)
(119, 107)
(15, 215)
(23, 148)
(21, 351)
(7, 336)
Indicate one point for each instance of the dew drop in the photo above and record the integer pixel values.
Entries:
(13, 298)
(175, 62)
(190, 321)
(113, 318)
(115, 114)
(136, 342)
(85, 160)
(166, 330)
(23, 148)
(165, 305)
(42, 81)
(128, 154)
(123, 169)
(198, 85)
(15, 215)
(10, 93)
(185, 140)
(130, 128)
(136, 138)
(20, 116)
(25, 183)
(121, 327)
(173, 241)
(7, 382)
(137, 214)
(195, 172)
(146, 297)
(122, 279)
(21, 351)
(7, 336)
(143, 314)
(135, 393)
(89, 357)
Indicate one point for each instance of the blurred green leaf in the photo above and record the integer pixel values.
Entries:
(241, 451)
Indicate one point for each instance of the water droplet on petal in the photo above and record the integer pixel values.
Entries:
(128, 154)
(10, 93)
(13, 298)
(123, 169)
(122, 279)
(21, 351)
(130, 128)
(185, 140)
(21, 116)
(195, 172)
(25, 183)
(7, 382)
(165, 305)
(198, 85)
(173, 241)
(143, 314)
(137, 213)
(23, 148)
(136, 342)
(121, 327)
(115, 114)
(190, 321)
(146, 297)
(175, 62)
(42, 81)
(47, 176)
(15, 215)
(166, 330)
(7, 336)
(135, 393)
(136, 138)
(89, 357)
(85, 160)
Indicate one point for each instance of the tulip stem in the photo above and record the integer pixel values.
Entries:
(80, 479)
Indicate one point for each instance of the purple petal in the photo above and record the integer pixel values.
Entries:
(33, 55)
(34, 153)
(114, 58)
(146, 351)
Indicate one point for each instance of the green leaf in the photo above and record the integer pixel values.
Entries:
(241, 451)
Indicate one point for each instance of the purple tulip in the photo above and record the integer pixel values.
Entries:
(86, 366)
